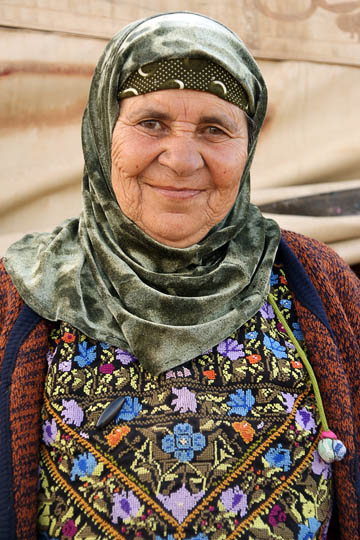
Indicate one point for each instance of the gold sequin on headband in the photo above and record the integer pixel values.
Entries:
(185, 73)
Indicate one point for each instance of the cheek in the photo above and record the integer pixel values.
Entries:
(228, 171)
(129, 152)
(122, 154)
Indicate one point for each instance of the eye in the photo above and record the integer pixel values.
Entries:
(151, 125)
(214, 132)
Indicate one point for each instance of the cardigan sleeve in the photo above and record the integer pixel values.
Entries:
(335, 282)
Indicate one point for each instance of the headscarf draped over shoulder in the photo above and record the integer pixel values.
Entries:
(104, 275)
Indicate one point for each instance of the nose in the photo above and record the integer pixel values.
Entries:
(181, 154)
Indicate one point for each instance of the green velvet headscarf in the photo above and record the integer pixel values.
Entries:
(103, 274)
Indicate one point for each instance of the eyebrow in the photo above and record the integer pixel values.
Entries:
(219, 119)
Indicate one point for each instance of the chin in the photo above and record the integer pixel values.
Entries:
(177, 235)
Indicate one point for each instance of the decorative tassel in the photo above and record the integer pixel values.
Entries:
(330, 448)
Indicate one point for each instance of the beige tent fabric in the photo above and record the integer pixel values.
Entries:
(310, 142)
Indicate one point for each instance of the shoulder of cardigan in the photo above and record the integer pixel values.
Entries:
(300, 283)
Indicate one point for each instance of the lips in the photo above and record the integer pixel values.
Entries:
(175, 193)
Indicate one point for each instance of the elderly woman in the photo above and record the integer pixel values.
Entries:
(177, 324)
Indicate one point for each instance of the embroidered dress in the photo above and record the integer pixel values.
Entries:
(222, 447)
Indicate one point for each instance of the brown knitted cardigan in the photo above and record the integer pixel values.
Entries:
(329, 318)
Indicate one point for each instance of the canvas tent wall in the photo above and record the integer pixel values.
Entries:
(307, 169)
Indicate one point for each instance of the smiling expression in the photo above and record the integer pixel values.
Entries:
(177, 161)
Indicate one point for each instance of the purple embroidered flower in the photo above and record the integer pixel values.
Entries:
(182, 372)
(69, 529)
(290, 345)
(124, 357)
(185, 400)
(131, 408)
(86, 355)
(126, 505)
(319, 466)
(183, 443)
(49, 432)
(49, 358)
(276, 515)
(274, 346)
(278, 457)
(65, 365)
(235, 501)
(84, 465)
(309, 532)
(106, 368)
(231, 348)
(289, 400)
(305, 420)
(241, 402)
(180, 502)
(267, 311)
(72, 413)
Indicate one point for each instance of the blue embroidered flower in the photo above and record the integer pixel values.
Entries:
(278, 457)
(307, 533)
(86, 355)
(183, 443)
(286, 304)
(131, 408)
(104, 345)
(241, 402)
(251, 335)
(275, 347)
(84, 465)
(274, 279)
(297, 331)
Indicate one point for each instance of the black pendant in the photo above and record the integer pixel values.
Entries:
(110, 412)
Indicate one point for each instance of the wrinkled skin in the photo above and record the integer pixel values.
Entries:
(177, 161)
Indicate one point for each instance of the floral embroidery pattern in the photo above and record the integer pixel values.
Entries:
(185, 400)
(241, 402)
(279, 457)
(235, 500)
(130, 409)
(183, 443)
(180, 502)
(307, 532)
(193, 454)
(86, 355)
(84, 465)
(125, 505)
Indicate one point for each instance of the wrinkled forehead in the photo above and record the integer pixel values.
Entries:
(181, 35)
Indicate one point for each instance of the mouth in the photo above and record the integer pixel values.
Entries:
(175, 193)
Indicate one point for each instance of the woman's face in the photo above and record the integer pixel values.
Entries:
(177, 161)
